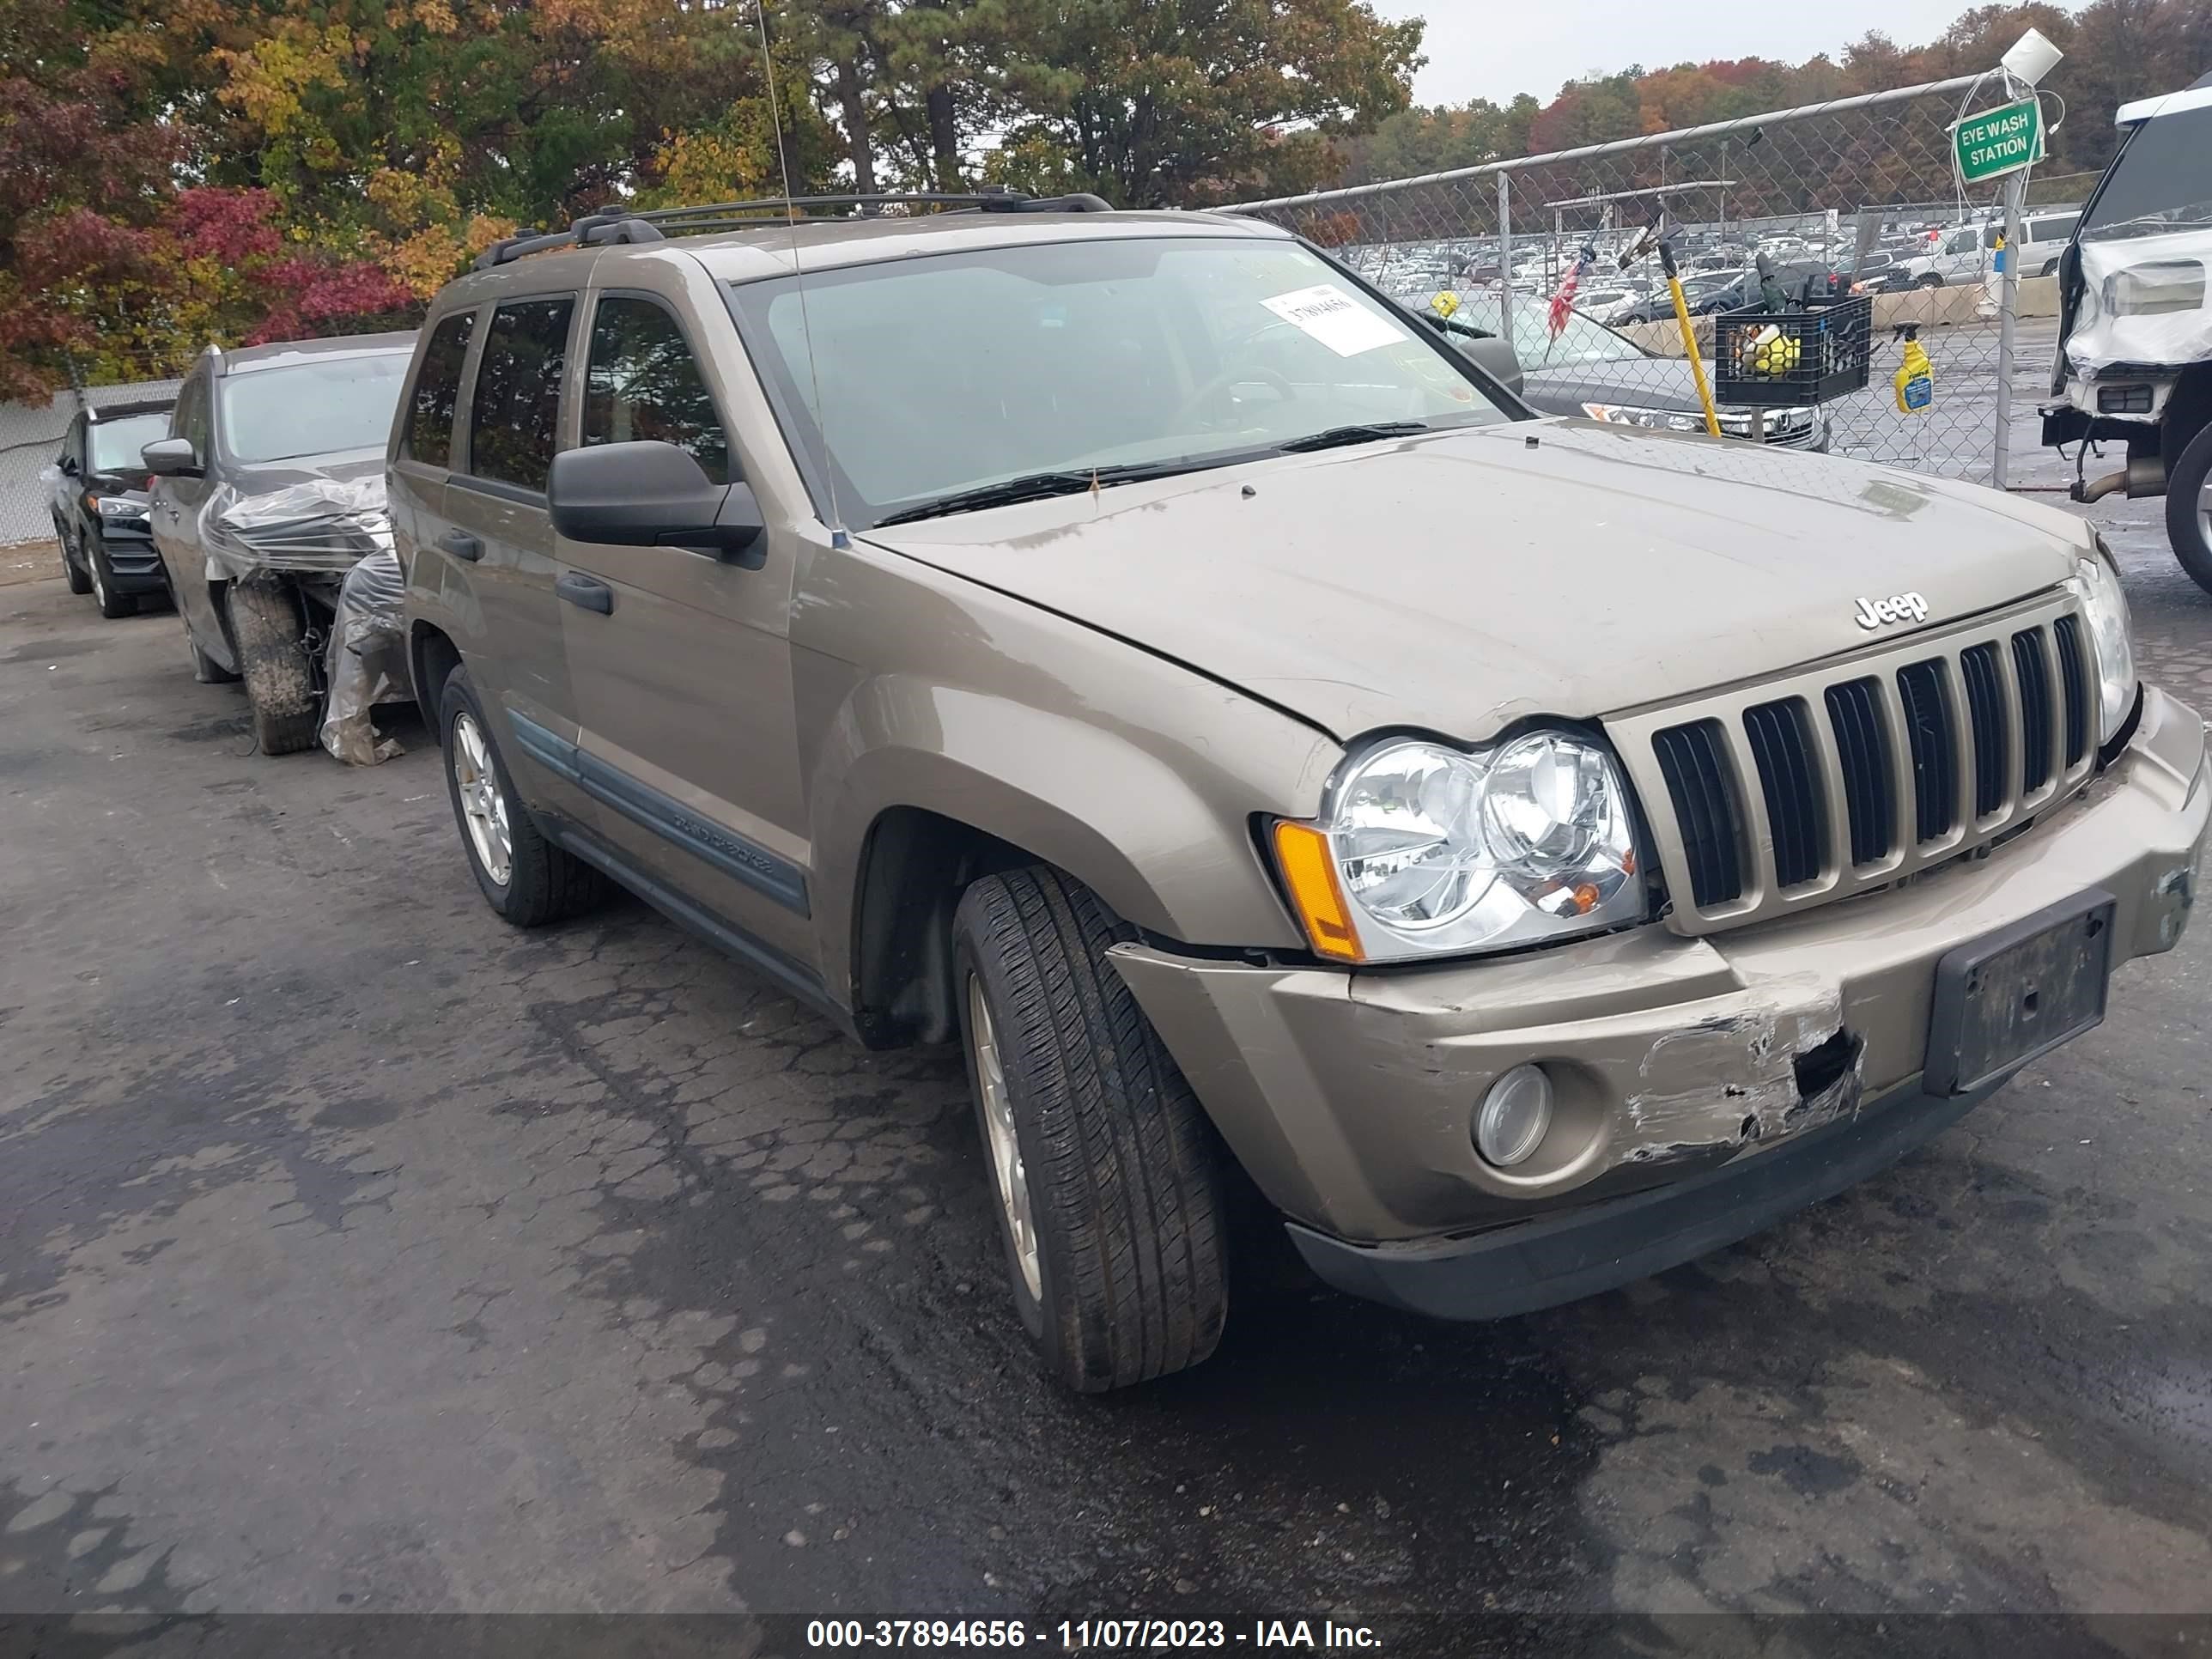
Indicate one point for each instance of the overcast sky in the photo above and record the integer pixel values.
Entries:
(1495, 48)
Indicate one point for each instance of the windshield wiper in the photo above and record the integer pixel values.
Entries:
(1337, 436)
(1036, 487)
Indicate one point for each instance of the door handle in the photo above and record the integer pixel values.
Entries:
(586, 591)
(461, 545)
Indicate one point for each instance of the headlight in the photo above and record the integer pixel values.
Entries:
(1425, 850)
(116, 506)
(2159, 286)
(2104, 607)
(1667, 420)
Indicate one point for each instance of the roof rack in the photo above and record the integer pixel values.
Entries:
(657, 224)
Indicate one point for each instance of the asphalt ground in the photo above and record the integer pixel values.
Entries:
(361, 1256)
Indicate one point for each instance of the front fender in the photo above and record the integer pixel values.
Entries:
(1117, 817)
(1133, 774)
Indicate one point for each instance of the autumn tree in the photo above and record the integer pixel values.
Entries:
(84, 170)
(1155, 103)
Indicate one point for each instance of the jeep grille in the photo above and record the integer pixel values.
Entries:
(1774, 796)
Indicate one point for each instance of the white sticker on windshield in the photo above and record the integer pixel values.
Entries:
(1335, 318)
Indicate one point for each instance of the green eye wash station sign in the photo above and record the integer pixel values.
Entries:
(1998, 141)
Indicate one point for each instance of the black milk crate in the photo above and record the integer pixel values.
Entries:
(1834, 340)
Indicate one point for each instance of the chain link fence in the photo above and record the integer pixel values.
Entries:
(1847, 201)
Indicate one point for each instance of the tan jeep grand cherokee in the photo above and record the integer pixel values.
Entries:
(1535, 852)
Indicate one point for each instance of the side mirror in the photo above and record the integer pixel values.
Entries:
(1490, 353)
(1495, 356)
(171, 458)
(653, 495)
(68, 466)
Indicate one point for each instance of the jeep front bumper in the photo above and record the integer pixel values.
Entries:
(1711, 1084)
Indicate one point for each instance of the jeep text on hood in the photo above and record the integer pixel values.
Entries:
(1456, 581)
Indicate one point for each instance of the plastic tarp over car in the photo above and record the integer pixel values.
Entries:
(2144, 302)
(325, 525)
(367, 662)
(327, 529)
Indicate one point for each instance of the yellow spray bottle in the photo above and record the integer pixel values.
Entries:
(1914, 379)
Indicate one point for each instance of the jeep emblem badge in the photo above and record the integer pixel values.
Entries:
(1880, 613)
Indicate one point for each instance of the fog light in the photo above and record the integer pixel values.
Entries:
(1515, 1115)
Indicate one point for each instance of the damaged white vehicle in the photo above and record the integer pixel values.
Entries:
(269, 514)
(2135, 357)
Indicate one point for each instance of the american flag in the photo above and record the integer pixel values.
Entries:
(1564, 300)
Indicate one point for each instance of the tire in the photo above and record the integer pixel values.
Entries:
(113, 604)
(2049, 268)
(280, 683)
(1116, 1166)
(1931, 280)
(544, 882)
(2188, 509)
(79, 582)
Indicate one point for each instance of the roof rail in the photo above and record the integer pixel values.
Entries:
(513, 248)
(718, 214)
(657, 224)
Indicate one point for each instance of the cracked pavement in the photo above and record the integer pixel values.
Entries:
(363, 1254)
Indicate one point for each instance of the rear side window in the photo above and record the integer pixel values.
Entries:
(514, 420)
(642, 382)
(438, 390)
(2053, 230)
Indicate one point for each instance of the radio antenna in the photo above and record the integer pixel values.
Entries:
(839, 536)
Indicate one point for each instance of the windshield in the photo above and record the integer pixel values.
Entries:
(2160, 182)
(937, 375)
(317, 407)
(116, 444)
(1582, 341)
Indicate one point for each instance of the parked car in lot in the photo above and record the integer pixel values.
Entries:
(100, 507)
(1534, 852)
(267, 491)
(2135, 327)
(1959, 255)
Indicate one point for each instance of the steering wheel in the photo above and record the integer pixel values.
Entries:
(1221, 382)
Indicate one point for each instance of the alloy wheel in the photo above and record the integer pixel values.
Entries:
(483, 803)
(1011, 1178)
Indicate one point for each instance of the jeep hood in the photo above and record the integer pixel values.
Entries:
(1459, 580)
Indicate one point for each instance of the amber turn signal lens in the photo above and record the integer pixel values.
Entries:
(1309, 873)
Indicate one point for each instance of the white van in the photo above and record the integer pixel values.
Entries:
(2043, 238)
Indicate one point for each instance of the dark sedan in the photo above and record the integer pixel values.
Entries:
(99, 511)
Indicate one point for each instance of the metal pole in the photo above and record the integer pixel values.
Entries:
(2016, 189)
(1505, 256)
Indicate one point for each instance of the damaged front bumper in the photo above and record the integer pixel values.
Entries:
(1702, 1087)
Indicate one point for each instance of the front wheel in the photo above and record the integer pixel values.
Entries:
(2188, 509)
(1931, 280)
(272, 658)
(78, 581)
(113, 604)
(1104, 1168)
